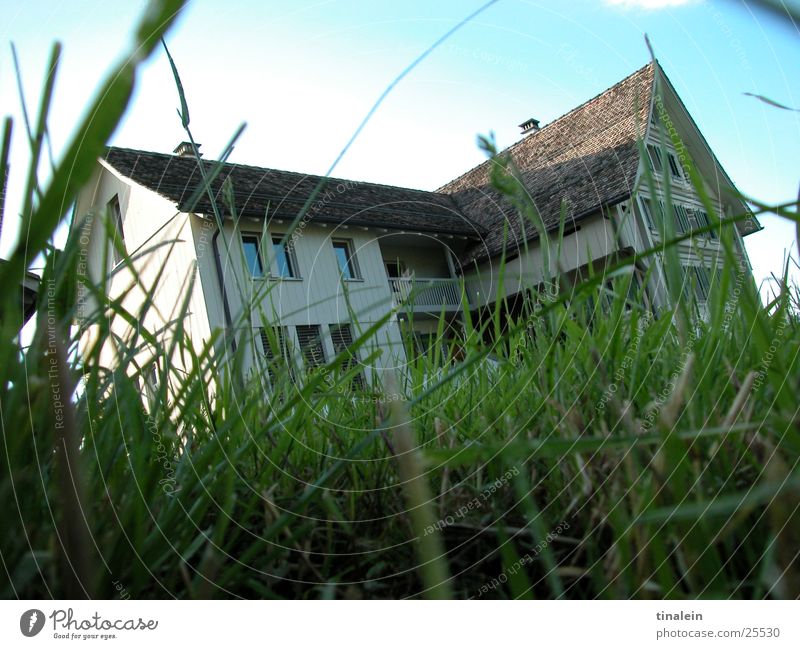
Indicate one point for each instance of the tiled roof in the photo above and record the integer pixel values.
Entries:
(283, 194)
(587, 158)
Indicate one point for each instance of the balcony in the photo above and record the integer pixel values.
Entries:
(426, 294)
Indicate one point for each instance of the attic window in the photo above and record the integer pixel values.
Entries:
(656, 156)
(656, 164)
(674, 166)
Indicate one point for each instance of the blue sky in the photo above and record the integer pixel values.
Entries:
(303, 76)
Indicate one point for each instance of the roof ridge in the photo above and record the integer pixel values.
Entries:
(527, 138)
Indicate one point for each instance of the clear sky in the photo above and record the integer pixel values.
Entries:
(302, 75)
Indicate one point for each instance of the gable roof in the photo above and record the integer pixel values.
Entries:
(282, 194)
(588, 158)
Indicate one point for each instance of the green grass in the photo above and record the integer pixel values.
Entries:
(510, 469)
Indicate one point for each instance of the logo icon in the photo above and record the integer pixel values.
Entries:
(31, 622)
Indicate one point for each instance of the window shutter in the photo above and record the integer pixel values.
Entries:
(674, 166)
(310, 340)
(655, 158)
(703, 282)
(682, 224)
(342, 339)
(275, 349)
(647, 211)
(703, 221)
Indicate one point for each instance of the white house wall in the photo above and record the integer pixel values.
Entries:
(150, 224)
(316, 297)
(699, 250)
(594, 240)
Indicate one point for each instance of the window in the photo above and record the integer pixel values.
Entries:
(647, 212)
(682, 224)
(697, 275)
(703, 282)
(703, 222)
(276, 349)
(395, 268)
(655, 158)
(285, 265)
(346, 259)
(657, 161)
(252, 256)
(674, 166)
(342, 340)
(116, 220)
(310, 339)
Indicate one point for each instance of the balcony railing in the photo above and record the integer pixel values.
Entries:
(426, 293)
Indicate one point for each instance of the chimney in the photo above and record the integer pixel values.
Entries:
(184, 149)
(529, 126)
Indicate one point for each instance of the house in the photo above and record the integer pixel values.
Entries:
(364, 248)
